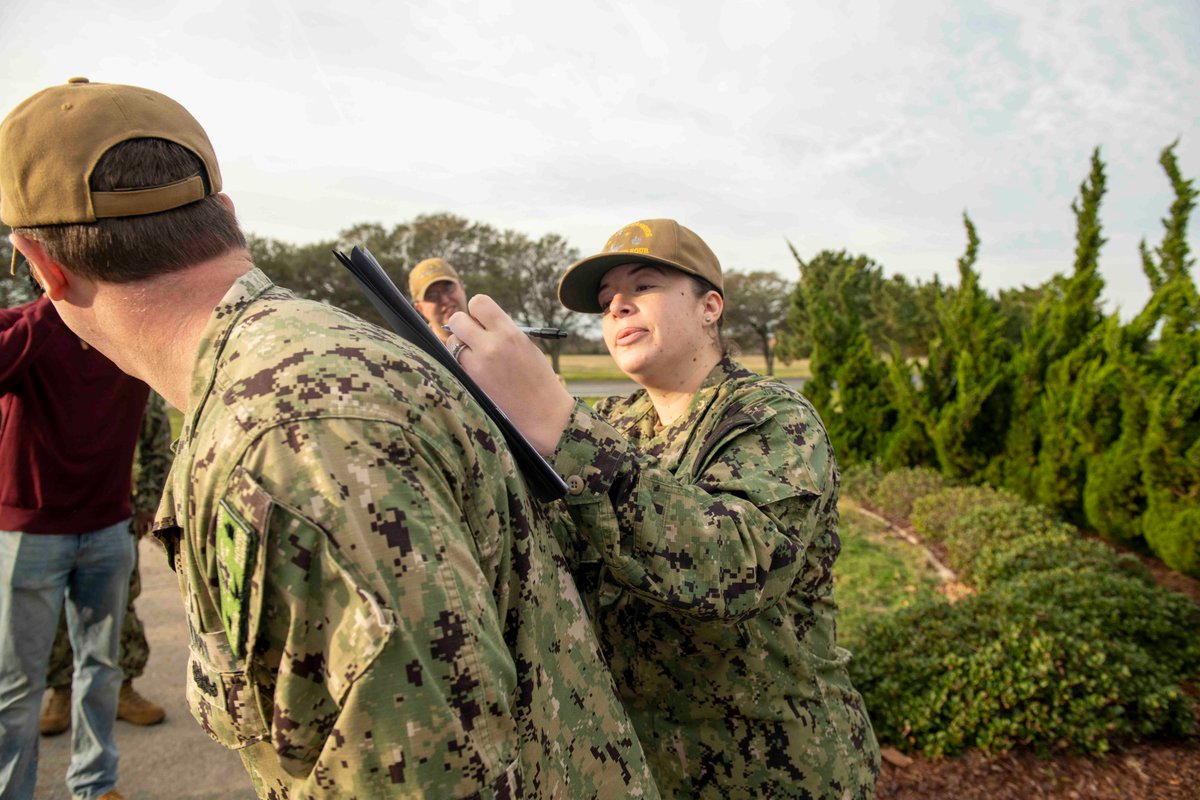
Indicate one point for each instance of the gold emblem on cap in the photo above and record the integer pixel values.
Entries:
(627, 239)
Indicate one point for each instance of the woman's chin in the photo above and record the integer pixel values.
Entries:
(632, 364)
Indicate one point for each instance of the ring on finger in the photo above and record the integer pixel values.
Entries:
(457, 350)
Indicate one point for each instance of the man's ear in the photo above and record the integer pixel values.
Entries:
(227, 202)
(46, 271)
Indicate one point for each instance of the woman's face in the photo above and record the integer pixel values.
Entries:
(654, 324)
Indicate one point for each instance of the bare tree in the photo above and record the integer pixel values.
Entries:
(756, 307)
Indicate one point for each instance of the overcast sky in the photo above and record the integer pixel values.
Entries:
(868, 127)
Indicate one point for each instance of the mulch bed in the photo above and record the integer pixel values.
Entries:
(1145, 771)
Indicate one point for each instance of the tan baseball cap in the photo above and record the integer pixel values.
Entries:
(663, 242)
(428, 272)
(50, 143)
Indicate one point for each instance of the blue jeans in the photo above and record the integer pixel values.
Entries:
(37, 571)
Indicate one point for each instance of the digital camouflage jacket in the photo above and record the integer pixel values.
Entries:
(376, 608)
(152, 457)
(704, 552)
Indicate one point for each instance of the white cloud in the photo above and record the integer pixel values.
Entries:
(869, 127)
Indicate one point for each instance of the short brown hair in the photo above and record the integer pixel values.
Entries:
(127, 249)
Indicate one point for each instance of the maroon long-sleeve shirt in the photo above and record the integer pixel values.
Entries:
(69, 421)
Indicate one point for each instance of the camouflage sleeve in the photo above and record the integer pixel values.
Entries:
(723, 544)
(382, 656)
(152, 458)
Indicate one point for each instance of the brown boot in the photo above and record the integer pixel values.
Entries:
(132, 707)
(56, 711)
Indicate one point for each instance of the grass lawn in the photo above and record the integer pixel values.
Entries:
(875, 573)
(576, 368)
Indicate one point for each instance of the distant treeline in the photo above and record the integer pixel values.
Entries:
(1039, 392)
(519, 272)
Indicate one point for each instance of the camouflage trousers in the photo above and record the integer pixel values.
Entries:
(134, 653)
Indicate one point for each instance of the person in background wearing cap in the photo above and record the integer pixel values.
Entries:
(151, 463)
(70, 423)
(377, 606)
(703, 529)
(437, 292)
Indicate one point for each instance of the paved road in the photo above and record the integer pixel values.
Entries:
(172, 761)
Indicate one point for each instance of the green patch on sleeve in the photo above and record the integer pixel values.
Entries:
(237, 547)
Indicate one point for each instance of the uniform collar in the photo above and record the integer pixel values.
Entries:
(244, 291)
(674, 438)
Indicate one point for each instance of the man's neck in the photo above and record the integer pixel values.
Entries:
(155, 325)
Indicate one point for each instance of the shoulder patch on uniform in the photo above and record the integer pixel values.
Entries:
(237, 556)
(240, 524)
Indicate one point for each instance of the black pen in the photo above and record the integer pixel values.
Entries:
(536, 333)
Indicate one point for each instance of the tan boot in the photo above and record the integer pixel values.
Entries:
(56, 711)
(134, 708)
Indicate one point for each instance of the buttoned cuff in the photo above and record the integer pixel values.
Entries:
(589, 455)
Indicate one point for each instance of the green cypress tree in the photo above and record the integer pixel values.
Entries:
(967, 363)
(1042, 457)
(864, 415)
(1171, 452)
(1115, 397)
(1109, 411)
(827, 316)
(1061, 468)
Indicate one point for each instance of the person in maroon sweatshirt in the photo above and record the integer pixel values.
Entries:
(69, 420)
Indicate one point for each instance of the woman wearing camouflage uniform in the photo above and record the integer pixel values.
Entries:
(702, 528)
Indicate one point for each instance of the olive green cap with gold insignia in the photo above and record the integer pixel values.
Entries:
(661, 242)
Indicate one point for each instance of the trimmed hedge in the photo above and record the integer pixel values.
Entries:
(1004, 669)
(861, 480)
(934, 515)
(898, 490)
(1058, 547)
(1067, 645)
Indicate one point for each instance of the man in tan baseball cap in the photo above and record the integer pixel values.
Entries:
(50, 146)
(336, 496)
(85, 120)
(437, 292)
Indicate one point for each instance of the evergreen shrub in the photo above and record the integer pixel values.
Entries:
(860, 481)
(1058, 660)
(1057, 547)
(899, 489)
(934, 515)
(1066, 645)
(1112, 605)
(989, 531)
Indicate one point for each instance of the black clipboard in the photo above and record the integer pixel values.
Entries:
(544, 482)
